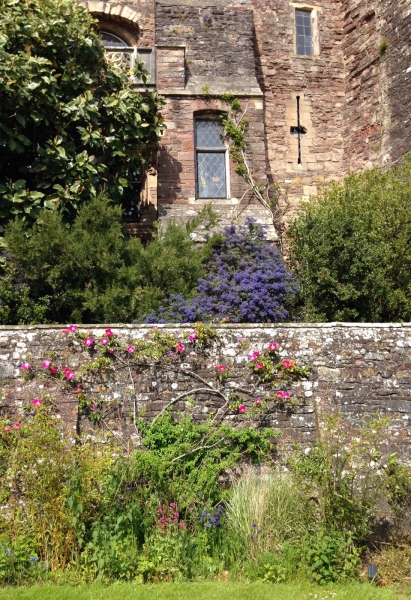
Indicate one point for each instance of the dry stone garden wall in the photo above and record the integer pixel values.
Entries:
(358, 369)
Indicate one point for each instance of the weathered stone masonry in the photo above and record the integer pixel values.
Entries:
(360, 370)
(354, 91)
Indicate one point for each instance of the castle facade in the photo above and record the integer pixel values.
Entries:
(325, 88)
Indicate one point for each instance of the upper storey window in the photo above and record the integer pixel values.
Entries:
(112, 41)
(123, 56)
(211, 159)
(304, 32)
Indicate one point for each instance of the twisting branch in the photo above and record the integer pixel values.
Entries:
(235, 125)
(189, 393)
(198, 448)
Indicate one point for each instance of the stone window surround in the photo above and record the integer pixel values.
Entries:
(211, 116)
(314, 10)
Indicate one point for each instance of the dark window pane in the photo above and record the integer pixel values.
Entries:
(208, 134)
(304, 32)
(211, 175)
(112, 41)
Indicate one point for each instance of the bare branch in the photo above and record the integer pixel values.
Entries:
(198, 448)
(189, 393)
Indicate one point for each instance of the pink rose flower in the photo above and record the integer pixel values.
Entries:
(95, 405)
(288, 364)
(272, 346)
(37, 402)
(104, 341)
(26, 366)
(192, 336)
(17, 426)
(73, 328)
(254, 355)
(279, 394)
(130, 349)
(242, 409)
(259, 365)
(65, 331)
(213, 365)
(54, 369)
(111, 351)
(109, 333)
(78, 390)
(286, 395)
(180, 348)
(88, 342)
(46, 363)
(69, 373)
(258, 400)
(8, 428)
(221, 368)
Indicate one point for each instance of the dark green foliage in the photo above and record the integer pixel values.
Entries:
(89, 272)
(351, 249)
(70, 124)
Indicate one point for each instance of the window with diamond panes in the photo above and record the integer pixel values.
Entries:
(304, 32)
(211, 160)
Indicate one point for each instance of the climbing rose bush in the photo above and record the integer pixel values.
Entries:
(246, 282)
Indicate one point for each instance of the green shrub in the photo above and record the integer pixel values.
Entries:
(351, 249)
(71, 125)
(91, 272)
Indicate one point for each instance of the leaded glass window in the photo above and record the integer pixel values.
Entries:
(211, 159)
(304, 32)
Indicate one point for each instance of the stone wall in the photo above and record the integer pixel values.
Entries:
(360, 370)
(318, 80)
(378, 82)
(176, 162)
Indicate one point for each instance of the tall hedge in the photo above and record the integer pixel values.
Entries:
(351, 249)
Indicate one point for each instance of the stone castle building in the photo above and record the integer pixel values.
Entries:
(326, 88)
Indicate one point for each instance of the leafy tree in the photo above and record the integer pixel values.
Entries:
(70, 125)
(89, 272)
(246, 281)
(351, 249)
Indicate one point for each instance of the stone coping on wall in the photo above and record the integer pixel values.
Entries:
(215, 326)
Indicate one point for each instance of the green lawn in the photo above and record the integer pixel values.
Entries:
(201, 591)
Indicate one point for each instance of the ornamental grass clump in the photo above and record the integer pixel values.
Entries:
(246, 281)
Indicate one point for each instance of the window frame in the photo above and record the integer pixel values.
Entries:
(217, 150)
(300, 12)
(137, 54)
(315, 37)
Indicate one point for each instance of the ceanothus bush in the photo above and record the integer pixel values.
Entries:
(246, 281)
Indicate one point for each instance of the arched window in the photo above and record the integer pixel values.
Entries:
(123, 56)
(112, 41)
(211, 158)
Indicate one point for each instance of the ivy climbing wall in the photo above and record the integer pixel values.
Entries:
(136, 371)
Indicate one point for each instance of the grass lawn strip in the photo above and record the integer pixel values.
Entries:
(201, 591)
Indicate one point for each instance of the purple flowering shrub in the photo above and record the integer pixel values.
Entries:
(246, 281)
